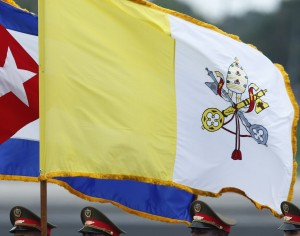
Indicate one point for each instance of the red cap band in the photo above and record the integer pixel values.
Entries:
(31, 223)
(292, 218)
(102, 226)
(216, 222)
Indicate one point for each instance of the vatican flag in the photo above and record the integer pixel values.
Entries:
(132, 91)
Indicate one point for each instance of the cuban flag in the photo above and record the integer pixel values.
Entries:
(19, 95)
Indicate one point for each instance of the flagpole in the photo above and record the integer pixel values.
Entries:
(43, 191)
(43, 183)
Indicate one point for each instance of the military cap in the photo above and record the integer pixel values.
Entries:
(203, 217)
(291, 219)
(23, 219)
(94, 221)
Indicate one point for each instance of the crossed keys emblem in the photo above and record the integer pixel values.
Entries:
(213, 119)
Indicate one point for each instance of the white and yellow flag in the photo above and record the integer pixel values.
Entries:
(132, 91)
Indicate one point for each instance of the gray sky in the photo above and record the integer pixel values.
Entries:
(217, 9)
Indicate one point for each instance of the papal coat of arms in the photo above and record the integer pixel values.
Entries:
(236, 83)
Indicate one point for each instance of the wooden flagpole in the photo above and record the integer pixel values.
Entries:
(43, 191)
(43, 183)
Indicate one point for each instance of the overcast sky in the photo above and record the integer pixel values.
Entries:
(217, 9)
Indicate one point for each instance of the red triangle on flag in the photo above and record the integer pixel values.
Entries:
(19, 88)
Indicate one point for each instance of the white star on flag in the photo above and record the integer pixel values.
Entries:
(12, 78)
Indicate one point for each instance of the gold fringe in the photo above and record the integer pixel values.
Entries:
(12, 2)
(42, 177)
(186, 17)
(294, 128)
(19, 178)
(117, 177)
(240, 192)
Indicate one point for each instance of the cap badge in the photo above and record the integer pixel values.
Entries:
(285, 208)
(88, 213)
(17, 212)
(197, 207)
